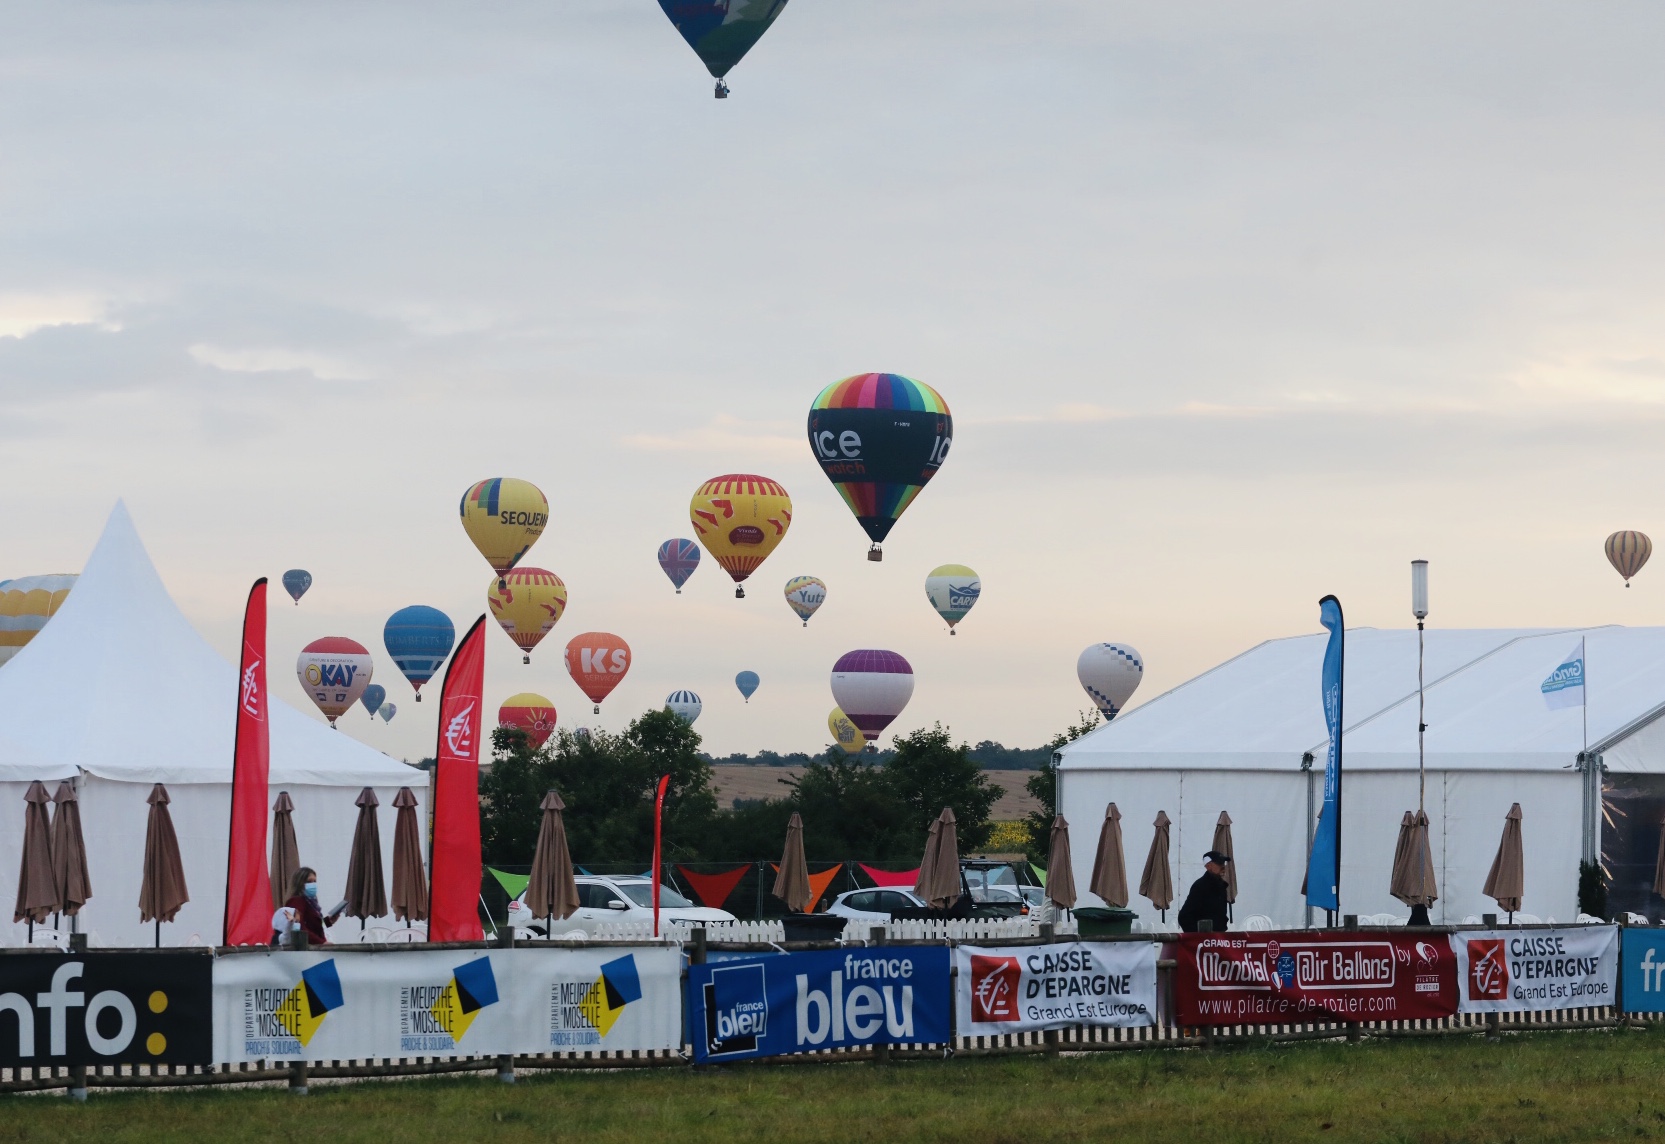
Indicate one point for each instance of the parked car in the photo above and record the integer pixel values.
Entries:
(628, 899)
(994, 887)
(876, 906)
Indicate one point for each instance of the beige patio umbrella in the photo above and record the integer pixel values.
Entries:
(410, 878)
(1109, 865)
(552, 890)
(366, 888)
(1157, 882)
(286, 856)
(37, 895)
(1060, 875)
(792, 878)
(1506, 883)
(942, 858)
(69, 852)
(1222, 844)
(1659, 864)
(162, 889)
(1413, 863)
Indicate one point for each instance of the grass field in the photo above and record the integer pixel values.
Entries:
(1547, 1086)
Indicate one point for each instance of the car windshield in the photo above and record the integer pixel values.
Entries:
(979, 877)
(642, 894)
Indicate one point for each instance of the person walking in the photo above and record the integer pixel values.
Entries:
(1207, 898)
(301, 910)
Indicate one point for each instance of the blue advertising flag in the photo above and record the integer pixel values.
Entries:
(1324, 867)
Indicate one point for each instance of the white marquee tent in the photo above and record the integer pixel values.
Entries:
(1248, 737)
(118, 692)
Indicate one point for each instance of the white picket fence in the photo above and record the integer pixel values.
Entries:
(772, 932)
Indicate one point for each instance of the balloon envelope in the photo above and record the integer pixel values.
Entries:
(418, 638)
(25, 605)
(503, 517)
(1627, 551)
(879, 437)
(597, 662)
(721, 31)
(740, 518)
(527, 603)
(747, 682)
(804, 595)
(871, 686)
(373, 698)
(678, 559)
(296, 581)
(388, 711)
(952, 590)
(845, 733)
(334, 672)
(532, 713)
(1110, 673)
(685, 705)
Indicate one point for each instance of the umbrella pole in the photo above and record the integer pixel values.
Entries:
(158, 933)
(1421, 726)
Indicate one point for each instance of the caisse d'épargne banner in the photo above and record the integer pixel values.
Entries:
(1308, 975)
(1518, 971)
(470, 1002)
(1019, 988)
(105, 1008)
(823, 999)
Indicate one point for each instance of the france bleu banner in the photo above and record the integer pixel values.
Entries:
(1565, 685)
(1324, 867)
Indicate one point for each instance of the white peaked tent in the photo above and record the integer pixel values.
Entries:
(120, 692)
(1249, 737)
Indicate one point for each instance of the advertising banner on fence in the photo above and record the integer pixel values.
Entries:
(1306, 975)
(105, 1008)
(1517, 971)
(352, 1006)
(826, 999)
(1643, 956)
(1019, 988)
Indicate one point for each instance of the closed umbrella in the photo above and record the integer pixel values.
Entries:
(69, 852)
(1413, 863)
(1222, 845)
(162, 888)
(552, 892)
(286, 856)
(928, 860)
(366, 888)
(1060, 876)
(942, 856)
(1157, 882)
(410, 879)
(1506, 883)
(37, 895)
(1109, 864)
(792, 879)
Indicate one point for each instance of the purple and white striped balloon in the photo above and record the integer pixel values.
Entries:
(872, 686)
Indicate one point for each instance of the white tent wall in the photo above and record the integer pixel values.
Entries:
(1641, 752)
(1551, 835)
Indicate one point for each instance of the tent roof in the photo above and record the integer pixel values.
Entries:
(121, 686)
(1261, 710)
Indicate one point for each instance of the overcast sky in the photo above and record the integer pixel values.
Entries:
(1235, 304)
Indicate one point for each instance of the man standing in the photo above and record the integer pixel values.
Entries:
(1207, 899)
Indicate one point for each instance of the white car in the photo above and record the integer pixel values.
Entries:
(628, 899)
(874, 906)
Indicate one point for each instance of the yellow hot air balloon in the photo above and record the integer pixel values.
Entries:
(25, 606)
(504, 517)
(528, 603)
(845, 733)
(1627, 552)
(740, 518)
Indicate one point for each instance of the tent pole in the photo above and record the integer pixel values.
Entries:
(1421, 726)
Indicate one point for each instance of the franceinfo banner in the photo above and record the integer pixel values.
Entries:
(825, 999)
(1518, 971)
(1644, 970)
(354, 1006)
(1019, 988)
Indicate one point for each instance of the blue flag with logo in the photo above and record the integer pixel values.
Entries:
(1565, 685)
(1324, 867)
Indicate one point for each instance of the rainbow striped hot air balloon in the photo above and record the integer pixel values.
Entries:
(871, 686)
(879, 437)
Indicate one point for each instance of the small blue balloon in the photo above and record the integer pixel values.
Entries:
(388, 711)
(747, 682)
(373, 698)
(296, 581)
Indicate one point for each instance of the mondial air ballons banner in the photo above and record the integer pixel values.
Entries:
(349, 1005)
(1515, 971)
(1014, 989)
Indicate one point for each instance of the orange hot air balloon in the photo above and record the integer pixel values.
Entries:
(740, 518)
(530, 712)
(597, 661)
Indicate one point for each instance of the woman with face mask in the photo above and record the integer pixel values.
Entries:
(303, 905)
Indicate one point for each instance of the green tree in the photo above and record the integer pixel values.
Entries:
(928, 772)
(1044, 788)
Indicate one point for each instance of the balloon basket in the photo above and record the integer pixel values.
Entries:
(525, 659)
(598, 709)
(739, 591)
(875, 553)
(419, 697)
(952, 632)
(806, 622)
(722, 90)
(679, 591)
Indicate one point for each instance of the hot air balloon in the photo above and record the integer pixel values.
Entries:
(527, 602)
(504, 517)
(879, 438)
(845, 733)
(747, 682)
(418, 638)
(532, 713)
(1110, 673)
(334, 671)
(952, 590)
(296, 581)
(685, 705)
(25, 605)
(597, 661)
(805, 594)
(1627, 552)
(871, 687)
(373, 698)
(721, 31)
(740, 519)
(388, 711)
(679, 558)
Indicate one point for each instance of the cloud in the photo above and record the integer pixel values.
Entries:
(274, 360)
(22, 314)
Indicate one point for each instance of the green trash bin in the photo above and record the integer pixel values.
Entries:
(1092, 921)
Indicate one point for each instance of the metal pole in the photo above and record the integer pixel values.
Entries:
(1421, 727)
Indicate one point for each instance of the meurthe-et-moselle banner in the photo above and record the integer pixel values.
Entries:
(105, 1008)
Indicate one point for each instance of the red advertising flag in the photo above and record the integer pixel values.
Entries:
(248, 886)
(1308, 975)
(454, 892)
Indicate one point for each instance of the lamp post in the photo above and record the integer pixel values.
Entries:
(1419, 609)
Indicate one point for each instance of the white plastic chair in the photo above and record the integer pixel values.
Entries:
(1635, 919)
(1585, 919)
(1528, 919)
(51, 937)
(1258, 923)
